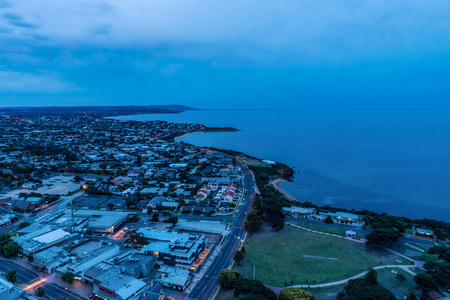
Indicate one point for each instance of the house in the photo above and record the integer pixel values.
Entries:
(157, 201)
(133, 173)
(424, 232)
(5, 202)
(297, 210)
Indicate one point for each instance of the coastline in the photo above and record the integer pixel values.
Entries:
(277, 185)
(186, 134)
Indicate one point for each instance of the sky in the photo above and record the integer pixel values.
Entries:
(226, 54)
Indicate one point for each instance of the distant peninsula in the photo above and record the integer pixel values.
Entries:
(97, 111)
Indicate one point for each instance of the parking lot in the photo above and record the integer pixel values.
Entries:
(57, 185)
(99, 201)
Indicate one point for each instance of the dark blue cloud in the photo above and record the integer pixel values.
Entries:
(17, 20)
(258, 53)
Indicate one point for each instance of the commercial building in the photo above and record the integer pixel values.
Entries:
(111, 284)
(50, 259)
(9, 291)
(174, 278)
(81, 264)
(173, 248)
(45, 238)
(138, 265)
(103, 221)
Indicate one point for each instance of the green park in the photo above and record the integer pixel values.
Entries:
(294, 256)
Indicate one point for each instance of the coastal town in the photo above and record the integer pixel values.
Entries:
(92, 207)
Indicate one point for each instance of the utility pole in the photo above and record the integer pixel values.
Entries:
(73, 221)
(254, 272)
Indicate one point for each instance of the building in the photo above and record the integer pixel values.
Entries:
(9, 291)
(103, 221)
(23, 206)
(50, 259)
(174, 278)
(343, 217)
(45, 238)
(350, 233)
(173, 248)
(296, 210)
(138, 265)
(155, 293)
(111, 284)
(424, 232)
(79, 265)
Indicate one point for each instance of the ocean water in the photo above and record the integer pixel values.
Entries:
(394, 161)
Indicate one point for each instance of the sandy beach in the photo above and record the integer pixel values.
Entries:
(181, 136)
(276, 184)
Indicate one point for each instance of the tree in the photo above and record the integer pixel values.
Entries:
(254, 222)
(328, 220)
(4, 239)
(149, 210)
(383, 236)
(252, 289)
(110, 205)
(11, 249)
(363, 290)
(425, 283)
(40, 292)
(400, 277)
(173, 220)
(443, 252)
(155, 217)
(68, 277)
(371, 277)
(295, 294)
(30, 257)
(278, 221)
(11, 276)
(238, 257)
(411, 296)
(136, 239)
(227, 277)
(23, 225)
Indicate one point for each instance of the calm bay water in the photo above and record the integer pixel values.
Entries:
(395, 161)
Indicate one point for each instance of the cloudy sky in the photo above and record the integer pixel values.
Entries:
(226, 54)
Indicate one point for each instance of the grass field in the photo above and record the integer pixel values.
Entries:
(279, 257)
(330, 230)
(398, 287)
(385, 278)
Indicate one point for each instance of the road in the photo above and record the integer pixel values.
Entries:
(54, 291)
(24, 276)
(208, 283)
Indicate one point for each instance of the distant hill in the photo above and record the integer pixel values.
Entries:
(101, 111)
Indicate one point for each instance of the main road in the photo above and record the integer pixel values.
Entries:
(206, 286)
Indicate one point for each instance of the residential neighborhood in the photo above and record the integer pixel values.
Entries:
(120, 205)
